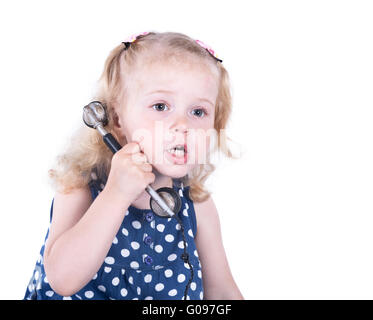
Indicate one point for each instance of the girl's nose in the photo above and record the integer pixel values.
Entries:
(180, 126)
(181, 129)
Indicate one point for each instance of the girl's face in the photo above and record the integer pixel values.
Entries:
(169, 106)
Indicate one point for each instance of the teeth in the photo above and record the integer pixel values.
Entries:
(177, 151)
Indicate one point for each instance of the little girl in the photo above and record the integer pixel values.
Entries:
(104, 241)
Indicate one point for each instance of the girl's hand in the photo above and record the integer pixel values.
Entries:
(130, 172)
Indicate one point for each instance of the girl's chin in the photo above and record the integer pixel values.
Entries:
(173, 170)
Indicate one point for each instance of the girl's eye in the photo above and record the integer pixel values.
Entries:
(199, 113)
(159, 107)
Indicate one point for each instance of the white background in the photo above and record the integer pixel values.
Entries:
(296, 210)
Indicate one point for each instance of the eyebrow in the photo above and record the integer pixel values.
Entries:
(168, 91)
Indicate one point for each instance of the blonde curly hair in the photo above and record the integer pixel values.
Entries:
(87, 153)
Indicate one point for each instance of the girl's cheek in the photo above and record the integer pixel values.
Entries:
(198, 146)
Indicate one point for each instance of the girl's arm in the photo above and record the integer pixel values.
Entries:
(217, 278)
(80, 236)
(82, 231)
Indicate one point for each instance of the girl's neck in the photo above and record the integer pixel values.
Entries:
(142, 201)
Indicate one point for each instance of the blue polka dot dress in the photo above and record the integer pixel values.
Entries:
(144, 261)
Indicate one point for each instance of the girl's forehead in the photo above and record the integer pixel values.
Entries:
(166, 76)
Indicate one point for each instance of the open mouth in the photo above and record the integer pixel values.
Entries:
(178, 154)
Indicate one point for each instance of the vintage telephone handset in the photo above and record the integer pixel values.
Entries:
(164, 202)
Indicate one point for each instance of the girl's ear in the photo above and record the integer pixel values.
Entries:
(116, 121)
(118, 127)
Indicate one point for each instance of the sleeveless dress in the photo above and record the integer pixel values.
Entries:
(144, 261)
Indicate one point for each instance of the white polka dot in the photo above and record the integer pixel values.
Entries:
(130, 279)
(38, 285)
(148, 278)
(109, 260)
(152, 224)
(125, 253)
(123, 292)
(67, 298)
(172, 292)
(115, 241)
(186, 265)
(186, 205)
(181, 244)
(169, 238)
(138, 290)
(185, 212)
(172, 257)
(159, 287)
(136, 224)
(180, 193)
(101, 288)
(125, 231)
(115, 281)
(181, 278)
(135, 245)
(160, 227)
(190, 232)
(149, 298)
(134, 265)
(79, 297)
(168, 273)
(201, 295)
(89, 294)
(178, 227)
(31, 287)
(158, 248)
(49, 293)
(36, 275)
(193, 286)
(199, 273)
(196, 253)
(107, 269)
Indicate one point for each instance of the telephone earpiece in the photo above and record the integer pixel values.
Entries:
(165, 202)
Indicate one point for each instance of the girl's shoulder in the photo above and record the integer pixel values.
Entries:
(96, 183)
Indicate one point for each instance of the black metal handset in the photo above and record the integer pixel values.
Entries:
(164, 202)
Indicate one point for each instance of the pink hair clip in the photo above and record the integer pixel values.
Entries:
(209, 49)
(133, 38)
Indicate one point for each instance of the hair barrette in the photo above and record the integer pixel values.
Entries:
(133, 38)
(209, 49)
